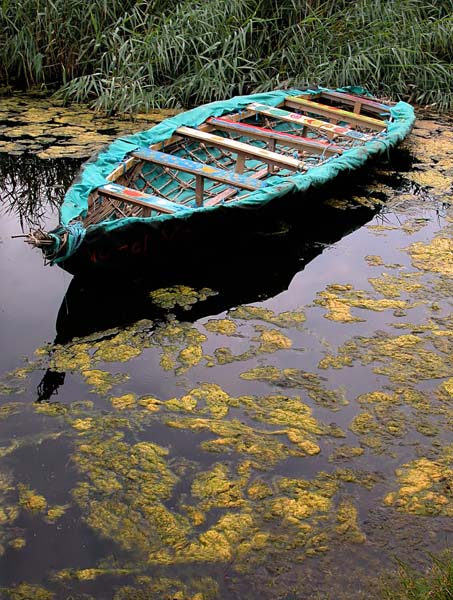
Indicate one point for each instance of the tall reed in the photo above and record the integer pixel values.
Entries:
(134, 55)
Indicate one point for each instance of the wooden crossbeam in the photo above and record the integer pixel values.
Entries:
(372, 106)
(230, 192)
(198, 169)
(270, 135)
(332, 112)
(114, 190)
(242, 150)
(328, 129)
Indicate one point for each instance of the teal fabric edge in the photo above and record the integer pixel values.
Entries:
(94, 173)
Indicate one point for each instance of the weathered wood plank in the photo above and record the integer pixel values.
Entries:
(230, 192)
(372, 106)
(287, 139)
(266, 156)
(162, 205)
(198, 169)
(327, 128)
(333, 112)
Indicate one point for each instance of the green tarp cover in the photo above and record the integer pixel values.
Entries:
(94, 173)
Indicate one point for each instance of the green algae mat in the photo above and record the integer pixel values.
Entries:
(290, 448)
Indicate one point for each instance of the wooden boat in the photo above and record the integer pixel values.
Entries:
(218, 158)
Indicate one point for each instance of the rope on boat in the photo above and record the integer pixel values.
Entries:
(59, 244)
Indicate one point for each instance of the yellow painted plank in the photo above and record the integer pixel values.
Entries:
(329, 129)
(332, 112)
(248, 150)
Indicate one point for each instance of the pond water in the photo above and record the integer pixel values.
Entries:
(274, 421)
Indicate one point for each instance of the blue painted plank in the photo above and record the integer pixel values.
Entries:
(195, 168)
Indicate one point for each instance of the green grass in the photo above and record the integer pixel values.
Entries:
(137, 54)
(434, 584)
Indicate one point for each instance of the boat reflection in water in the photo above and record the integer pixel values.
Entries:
(242, 260)
(240, 266)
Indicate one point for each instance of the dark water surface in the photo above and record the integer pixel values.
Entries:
(273, 421)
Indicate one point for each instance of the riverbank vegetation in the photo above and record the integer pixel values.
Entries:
(134, 55)
(436, 583)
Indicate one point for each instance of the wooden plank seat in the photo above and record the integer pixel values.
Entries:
(229, 193)
(243, 150)
(328, 129)
(271, 135)
(372, 106)
(332, 112)
(198, 169)
(150, 201)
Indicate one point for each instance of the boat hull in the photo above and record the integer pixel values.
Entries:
(114, 220)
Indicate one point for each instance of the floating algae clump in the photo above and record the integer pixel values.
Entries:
(392, 286)
(83, 424)
(109, 352)
(118, 345)
(436, 256)
(235, 436)
(207, 398)
(431, 178)
(386, 421)
(296, 378)
(56, 512)
(17, 543)
(363, 423)
(292, 417)
(217, 489)
(180, 295)
(103, 381)
(281, 410)
(30, 500)
(124, 489)
(181, 345)
(339, 299)
(380, 428)
(222, 326)
(426, 486)
(233, 534)
(8, 512)
(150, 403)
(374, 261)
(345, 453)
(9, 390)
(407, 360)
(347, 526)
(272, 340)
(88, 574)
(9, 409)
(28, 591)
(201, 588)
(303, 500)
(404, 358)
(124, 402)
(445, 390)
(50, 409)
(284, 319)
(74, 357)
(190, 356)
(269, 341)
